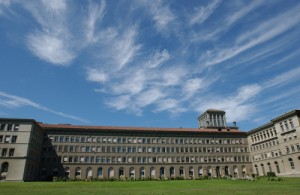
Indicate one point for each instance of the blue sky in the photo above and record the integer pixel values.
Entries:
(149, 63)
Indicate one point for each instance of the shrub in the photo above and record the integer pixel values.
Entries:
(271, 174)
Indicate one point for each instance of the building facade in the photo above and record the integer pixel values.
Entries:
(275, 146)
(21, 143)
(33, 151)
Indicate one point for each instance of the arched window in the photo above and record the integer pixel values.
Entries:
(256, 169)
(89, 173)
(209, 171)
(218, 171)
(172, 172)
(269, 166)
(292, 163)
(131, 172)
(181, 171)
(142, 172)
(4, 167)
(111, 172)
(277, 166)
(152, 172)
(244, 171)
(78, 172)
(235, 171)
(162, 172)
(200, 171)
(191, 172)
(100, 172)
(121, 172)
(4, 170)
(226, 171)
(67, 172)
(263, 169)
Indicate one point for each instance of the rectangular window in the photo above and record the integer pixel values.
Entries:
(286, 126)
(2, 127)
(292, 124)
(11, 152)
(1, 138)
(7, 139)
(89, 139)
(65, 159)
(14, 139)
(16, 127)
(9, 127)
(4, 152)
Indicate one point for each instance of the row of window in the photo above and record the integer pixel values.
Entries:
(9, 127)
(264, 145)
(134, 149)
(287, 125)
(292, 148)
(289, 136)
(152, 172)
(266, 155)
(262, 166)
(263, 135)
(128, 159)
(7, 152)
(8, 139)
(143, 140)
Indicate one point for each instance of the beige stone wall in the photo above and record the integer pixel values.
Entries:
(285, 151)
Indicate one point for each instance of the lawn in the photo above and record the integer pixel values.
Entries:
(288, 186)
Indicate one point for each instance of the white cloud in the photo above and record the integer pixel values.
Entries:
(52, 42)
(119, 49)
(238, 105)
(95, 14)
(162, 14)
(283, 79)
(241, 12)
(193, 86)
(5, 8)
(158, 58)
(132, 83)
(202, 13)
(55, 5)
(12, 101)
(148, 97)
(172, 76)
(170, 105)
(96, 75)
(261, 34)
(120, 102)
(50, 48)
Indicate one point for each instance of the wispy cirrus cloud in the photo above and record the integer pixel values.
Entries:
(13, 101)
(239, 105)
(263, 33)
(50, 48)
(50, 42)
(4, 5)
(95, 14)
(158, 58)
(161, 13)
(202, 13)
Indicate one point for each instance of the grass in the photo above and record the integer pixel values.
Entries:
(286, 187)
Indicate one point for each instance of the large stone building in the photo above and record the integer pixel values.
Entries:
(275, 146)
(31, 151)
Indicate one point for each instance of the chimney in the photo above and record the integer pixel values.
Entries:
(234, 124)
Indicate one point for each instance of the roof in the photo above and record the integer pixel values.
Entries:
(210, 111)
(144, 129)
